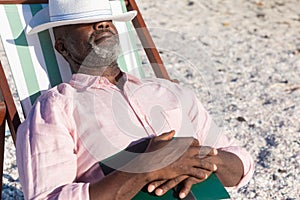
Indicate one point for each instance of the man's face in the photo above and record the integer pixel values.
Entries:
(93, 45)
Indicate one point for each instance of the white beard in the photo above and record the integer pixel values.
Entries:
(102, 55)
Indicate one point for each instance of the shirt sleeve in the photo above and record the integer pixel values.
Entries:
(46, 153)
(209, 134)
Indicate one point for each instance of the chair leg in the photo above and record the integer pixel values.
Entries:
(2, 141)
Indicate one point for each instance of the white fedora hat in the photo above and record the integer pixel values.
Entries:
(66, 12)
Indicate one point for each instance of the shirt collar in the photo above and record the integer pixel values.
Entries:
(85, 81)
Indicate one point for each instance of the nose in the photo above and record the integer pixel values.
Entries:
(102, 25)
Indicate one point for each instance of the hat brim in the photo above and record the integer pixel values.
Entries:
(41, 21)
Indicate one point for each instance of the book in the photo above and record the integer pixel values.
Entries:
(210, 189)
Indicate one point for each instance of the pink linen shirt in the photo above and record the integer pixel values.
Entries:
(74, 126)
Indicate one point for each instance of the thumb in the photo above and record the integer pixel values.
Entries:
(166, 136)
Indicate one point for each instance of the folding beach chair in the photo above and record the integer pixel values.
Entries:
(36, 66)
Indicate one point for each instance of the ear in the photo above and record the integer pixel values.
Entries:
(60, 47)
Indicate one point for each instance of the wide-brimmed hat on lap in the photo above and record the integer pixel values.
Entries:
(66, 12)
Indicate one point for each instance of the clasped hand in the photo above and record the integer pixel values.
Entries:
(181, 160)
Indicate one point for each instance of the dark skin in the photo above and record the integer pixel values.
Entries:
(194, 165)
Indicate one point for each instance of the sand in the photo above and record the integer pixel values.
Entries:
(242, 58)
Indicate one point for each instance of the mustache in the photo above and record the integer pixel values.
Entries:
(99, 32)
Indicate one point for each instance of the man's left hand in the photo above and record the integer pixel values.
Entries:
(163, 186)
(229, 170)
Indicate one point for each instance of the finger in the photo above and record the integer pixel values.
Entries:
(152, 186)
(207, 151)
(189, 140)
(187, 185)
(162, 189)
(199, 173)
(166, 136)
(195, 142)
(205, 165)
(213, 152)
(202, 151)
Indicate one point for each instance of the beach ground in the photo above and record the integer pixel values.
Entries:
(242, 58)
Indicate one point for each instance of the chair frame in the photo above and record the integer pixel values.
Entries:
(8, 111)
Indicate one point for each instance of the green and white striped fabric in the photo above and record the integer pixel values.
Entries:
(35, 64)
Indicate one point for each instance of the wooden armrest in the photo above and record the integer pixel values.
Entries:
(8, 109)
(2, 108)
(2, 112)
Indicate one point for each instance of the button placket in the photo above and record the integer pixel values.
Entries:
(139, 113)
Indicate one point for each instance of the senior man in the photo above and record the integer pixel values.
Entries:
(75, 125)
